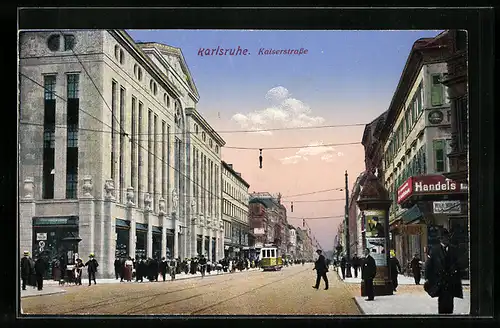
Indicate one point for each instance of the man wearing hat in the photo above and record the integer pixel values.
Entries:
(321, 270)
(443, 274)
(92, 268)
(26, 269)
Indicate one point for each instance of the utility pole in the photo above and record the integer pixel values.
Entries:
(346, 228)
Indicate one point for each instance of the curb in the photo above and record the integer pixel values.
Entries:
(358, 306)
(49, 293)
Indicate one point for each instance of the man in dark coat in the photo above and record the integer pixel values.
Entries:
(163, 268)
(321, 270)
(395, 269)
(117, 265)
(368, 272)
(39, 272)
(343, 265)
(355, 265)
(26, 271)
(416, 268)
(140, 270)
(443, 274)
(92, 268)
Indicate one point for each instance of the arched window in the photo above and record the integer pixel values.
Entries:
(178, 114)
(203, 136)
(136, 71)
(139, 76)
(196, 128)
(168, 101)
(216, 149)
(210, 143)
(155, 89)
(151, 85)
(122, 57)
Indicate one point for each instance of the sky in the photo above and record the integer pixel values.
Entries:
(345, 78)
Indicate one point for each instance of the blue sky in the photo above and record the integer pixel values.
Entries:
(340, 65)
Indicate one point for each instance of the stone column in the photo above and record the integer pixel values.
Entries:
(86, 209)
(132, 239)
(192, 228)
(27, 208)
(217, 243)
(61, 142)
(107, 255)
(163, 219)
(374, 202)
(147, 218)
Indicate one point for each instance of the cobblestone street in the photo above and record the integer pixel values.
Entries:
(286, 292)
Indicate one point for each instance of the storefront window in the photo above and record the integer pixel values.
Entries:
(156, 245)
(170, 244)
(198, 244)
(48, 244)
(140, 247)
(122, 241)
(207, 245)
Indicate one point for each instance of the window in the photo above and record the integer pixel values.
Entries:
(122, 57)
(50, 87)
(139, 74)
(461, 40)
(204, 136)
(72, 136)
(210, 143)
(71, 185)
(168, 101)
(49, 137)
(463, 129)
(196, 128)
(136, 70)
(155, 90)
(117, 52)
(69, 42)
(439, 155)
(436, 91)
(73, 81)
(165, 98)
(53, 42)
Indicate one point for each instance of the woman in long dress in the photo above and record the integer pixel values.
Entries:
(129, 265)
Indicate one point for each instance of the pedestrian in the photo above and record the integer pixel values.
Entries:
(368, 272)
(78, 271)
(92, 268)
(39, 272)
(163, 268)
(117, 266)
(355, 264)
(395, 269)
(416, 268)
(343, 265)
(173, 268)
(203, 265)
(443, 274)
(129, 267)
(25, 269)
(140, 271)
(321, 270)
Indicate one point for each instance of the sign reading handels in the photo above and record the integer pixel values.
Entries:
(429, 185)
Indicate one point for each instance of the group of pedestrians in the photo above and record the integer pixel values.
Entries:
(32, 271)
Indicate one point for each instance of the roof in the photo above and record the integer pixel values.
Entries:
(230, 169)
(416, 59)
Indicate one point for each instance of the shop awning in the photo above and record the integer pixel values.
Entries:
(412, 214)
(156, 230)
(122, 223)
(55, 220)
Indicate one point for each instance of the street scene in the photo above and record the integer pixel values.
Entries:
(243, 172)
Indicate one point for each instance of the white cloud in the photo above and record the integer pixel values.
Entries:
(328, 153)
(285, 112)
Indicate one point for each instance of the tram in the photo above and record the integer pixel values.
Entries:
(270, 259)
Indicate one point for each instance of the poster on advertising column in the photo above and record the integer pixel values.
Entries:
(375, 235)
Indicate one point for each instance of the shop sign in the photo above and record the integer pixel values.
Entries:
(258, 231)
(405, 190)
(429, 185)
(258, 245)
(41, 236)
(447, 207)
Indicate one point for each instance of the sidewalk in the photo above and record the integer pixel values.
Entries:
(410, 304)
(47, 290)
(402, 279)
(181, 276)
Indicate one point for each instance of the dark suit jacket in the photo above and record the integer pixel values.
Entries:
(443, 272)
(320, 265)
(369, 268)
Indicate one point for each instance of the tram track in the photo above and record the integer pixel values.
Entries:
(205, 293)
(125, 298)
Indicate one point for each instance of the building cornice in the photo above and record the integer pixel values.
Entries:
(234, 173)
(126, 41)
(203, 123)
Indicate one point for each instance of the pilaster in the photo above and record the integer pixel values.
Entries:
(147, 218)
(109, 231)
(27, 210)
(132, 239)
(86, 209)
(163, 219)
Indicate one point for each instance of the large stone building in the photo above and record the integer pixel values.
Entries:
(415, 140)
(292, 242)
(235, 212)
(105, 148)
